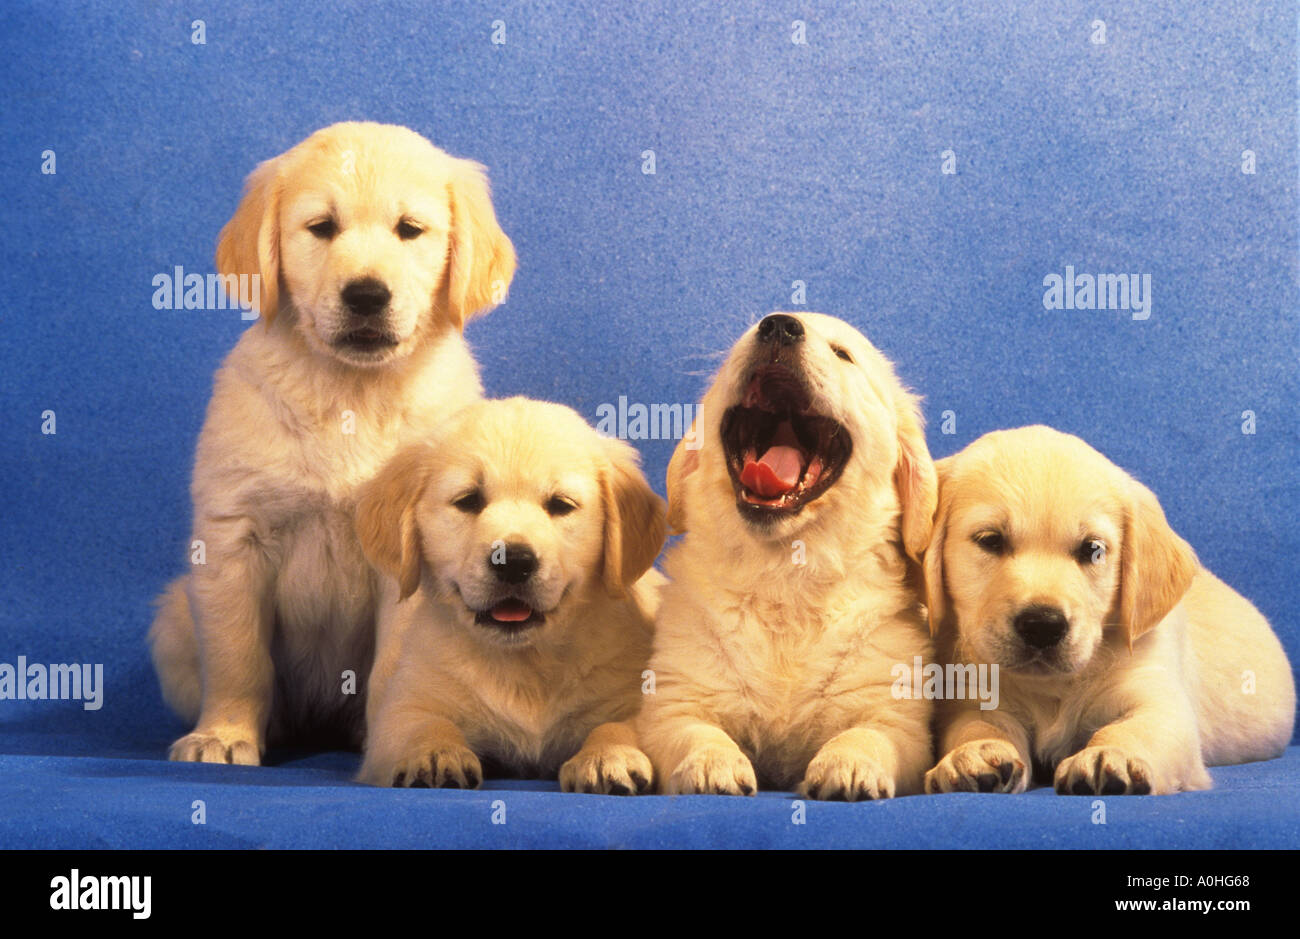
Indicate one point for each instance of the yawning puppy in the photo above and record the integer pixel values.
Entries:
(806, 493)
(516, 616)
(373, 247)
(1124, 666)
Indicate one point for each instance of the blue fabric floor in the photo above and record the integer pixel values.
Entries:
(135, 799)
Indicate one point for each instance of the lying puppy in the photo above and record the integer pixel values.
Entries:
(806, 501)
(373, 248)
(1124, 666)
(518, 613)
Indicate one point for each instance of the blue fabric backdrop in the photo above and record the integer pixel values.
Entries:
(775, 162)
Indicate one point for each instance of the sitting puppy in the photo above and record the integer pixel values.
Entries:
(373, 247)
(806, 499)
(1124, 666)
(518, 611)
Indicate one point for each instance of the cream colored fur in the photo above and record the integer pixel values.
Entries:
(459, 690)
(257, 639)
(773, 648)
(1163, 670)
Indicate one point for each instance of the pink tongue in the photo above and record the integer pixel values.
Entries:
(775, 473)
(511, 611)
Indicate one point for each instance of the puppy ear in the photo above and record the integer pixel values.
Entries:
(685, 460)
(936, 594)
(480, 258)
(634, 519)
(385, 517)
(1157, 566)
(915, 479)
(250, 242)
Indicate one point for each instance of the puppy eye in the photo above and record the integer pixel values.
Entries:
(1091, 551)
(326, 228)
(407, 229)
(471, 503)
(560, 505)
(843, 353)
(991, 541)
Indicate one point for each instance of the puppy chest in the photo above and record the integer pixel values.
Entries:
(324, 588)
(1057, 727)
(792, 703)
(527, 733)
(781, 689)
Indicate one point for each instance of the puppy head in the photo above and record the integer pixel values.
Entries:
(1040, 544)
(519, 514)
(376, 239)
(804, 419)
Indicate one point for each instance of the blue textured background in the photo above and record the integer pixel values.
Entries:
(775, 162)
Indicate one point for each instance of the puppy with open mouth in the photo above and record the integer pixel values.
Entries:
(806, 493)
(1125, 667)
(517, 609)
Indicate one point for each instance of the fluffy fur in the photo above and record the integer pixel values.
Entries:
(508, 480)
(775, 638)
(307, 407)
(1161, 669)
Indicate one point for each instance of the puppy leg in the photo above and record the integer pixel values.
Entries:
(878, 759)
(692, 755)
(609, 763)
(392, 622)
(231, 602)
(980, 755)
(175, 652)
(411, 744)
(1154, 748)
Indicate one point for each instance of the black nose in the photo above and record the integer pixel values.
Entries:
(518, 564)
(367, 296)
(780, 328)
(1041, 626)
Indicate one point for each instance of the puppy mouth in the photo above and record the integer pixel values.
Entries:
(367, 339)
(781, 455)
(1032, 663)
(510, 616)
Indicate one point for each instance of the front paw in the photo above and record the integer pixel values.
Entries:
(225, 745)
(847, 777)
(1104, 771)
(451, 766)
(713, 771)
(618, 770)
(979, 766)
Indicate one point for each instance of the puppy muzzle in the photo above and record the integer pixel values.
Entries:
(781, 452)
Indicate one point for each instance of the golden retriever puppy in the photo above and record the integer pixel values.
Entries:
(806, 493)
(373, 248)
(518, 604)
(1124, 666)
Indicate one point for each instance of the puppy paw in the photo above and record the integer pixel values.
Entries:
(845, 776)
(227, 745)
(713, 771)
(1105, 771)
(617, 770)
(979, 766)
(443, 767)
